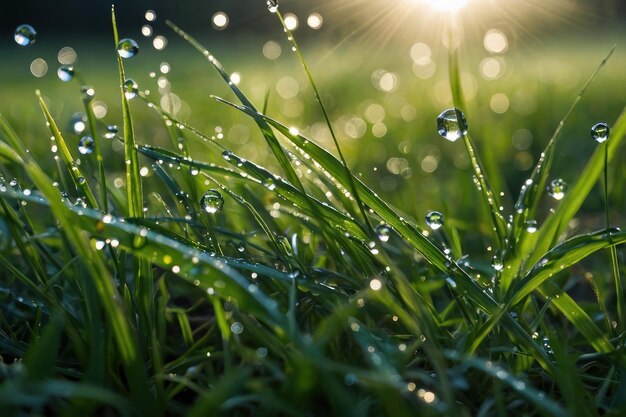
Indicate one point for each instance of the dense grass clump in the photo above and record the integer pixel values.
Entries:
(217, 285)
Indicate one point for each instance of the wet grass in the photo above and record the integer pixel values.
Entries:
(171, 271)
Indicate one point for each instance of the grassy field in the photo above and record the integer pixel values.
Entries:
(221, 255)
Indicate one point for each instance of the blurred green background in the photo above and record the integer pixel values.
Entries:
(382, 70)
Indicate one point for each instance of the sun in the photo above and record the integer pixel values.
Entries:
(446, 5)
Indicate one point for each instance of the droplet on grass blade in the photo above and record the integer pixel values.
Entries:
(86, 145)
(384, 232)
(212, 201)
(531, 226)
(25, 35)
(131, 89)
(111, 132)
(272, 5)
(557, 189)
(451, 124)
(65, 73)
(127, 48)
(78, 123)
(434, 220)
(600, 132)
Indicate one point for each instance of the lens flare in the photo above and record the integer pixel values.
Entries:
(447, 5)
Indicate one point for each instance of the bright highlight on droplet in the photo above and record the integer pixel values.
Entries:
(146, 30)
(150, 15)
(235, 77)
(291, 21)
(447, 5)
(220, 20)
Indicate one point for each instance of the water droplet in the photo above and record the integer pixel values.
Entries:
(497, 264)
(269, 183)
(86, 145)
(111, 132)
(78, 123)
(65, 73)
(451, 124)
(600, 132)
(531, 226)
(272, 5)
(80, 203)
(212, 201)
(434, 220)
(557, 189)
(88, 92)
(130, 89)
(384, 232)
(25, 35)
(127, 48)
(236, 328)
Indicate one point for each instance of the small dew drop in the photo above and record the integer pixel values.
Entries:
(434, 220)
(65, 73)
(111, 132)
(531, 226)
(86, 145)
(131, 89)
(383, 232)
(272, 5)
(557, 189)
(25, 35)
(451, 124)
(127, 48)
(600, 132)
(212, 201)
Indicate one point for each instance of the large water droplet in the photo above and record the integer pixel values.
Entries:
(600, 132)
(65, 73)
(131, 89)
(212, 201)
(557, 189)
(86, 145)
(384, 232)
(434, 220)
(127, 48)
(272, 5)
(111, 132)
(451, 124)
(25, 35)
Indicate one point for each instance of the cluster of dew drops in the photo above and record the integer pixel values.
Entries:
(451, 125)
(26, 35)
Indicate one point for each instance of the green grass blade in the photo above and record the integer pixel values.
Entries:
(134, 186)
(79, 179)
(318, 98)
(532, 190)
(578, 192)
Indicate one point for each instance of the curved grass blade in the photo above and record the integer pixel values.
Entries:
(563, 256)
(532, 190)
(573, 200)
(319, 100)
(79, 180)
(534, 396)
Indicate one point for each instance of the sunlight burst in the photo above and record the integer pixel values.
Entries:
(447, 5)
